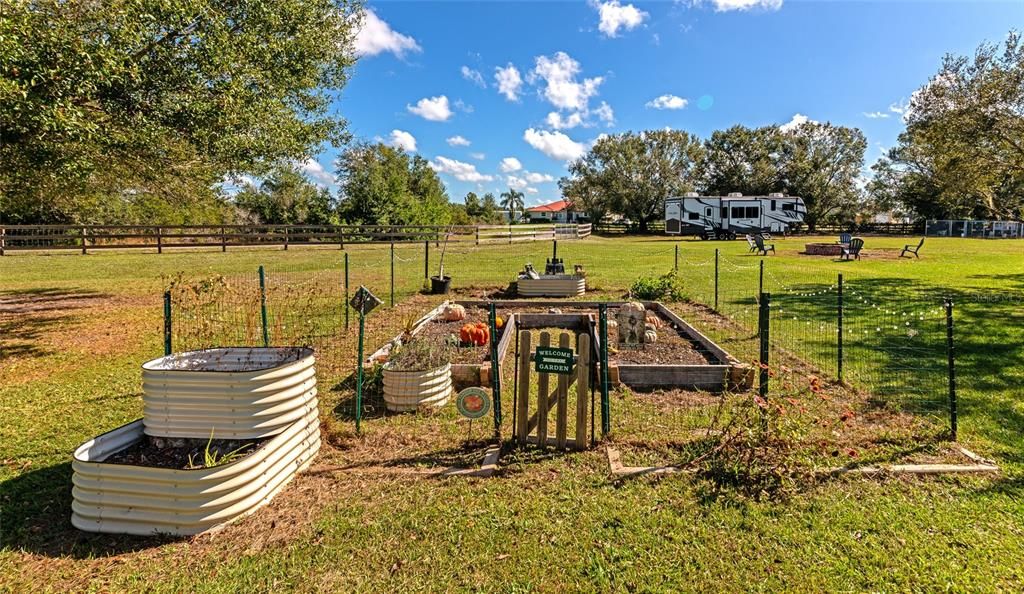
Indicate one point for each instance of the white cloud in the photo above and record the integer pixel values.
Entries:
(509, 81)
(316, 172)
(403, 140)
(798, 120)
(615, 16)
(532, 190)
(556, 121)
(726, 5)
(510, 164)
(605, 114)
(375, 36)
(515, 182)
(538, 178)
(435, 109)
(473, 76)
(554, 144)
(458, 141)
(461, 171)
(463, 106)
(667, 102)
(561, 87)
(874, 115)
(478, 156)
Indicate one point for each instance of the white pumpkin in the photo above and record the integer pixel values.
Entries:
(650, 336)
(453, 312)
(633, 306)
(612, 324)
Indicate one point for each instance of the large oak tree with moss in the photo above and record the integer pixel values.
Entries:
(161, 99)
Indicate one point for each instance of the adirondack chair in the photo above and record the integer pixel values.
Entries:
(853, 250)
(845, 238)
(762, 247)
(751, 243)
(909, 249)
(766, 236)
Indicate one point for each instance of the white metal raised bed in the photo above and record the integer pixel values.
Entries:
(552, 285)
(411, 390)
(128, 499)
(237, 393)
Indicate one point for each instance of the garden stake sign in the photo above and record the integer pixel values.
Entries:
(473, 403)
(363, 302)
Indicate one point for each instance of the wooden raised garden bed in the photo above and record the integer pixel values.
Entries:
(471, 365)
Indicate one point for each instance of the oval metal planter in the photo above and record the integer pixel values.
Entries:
(237, 393)
(409, 390)
(556, 285)
(126, 499)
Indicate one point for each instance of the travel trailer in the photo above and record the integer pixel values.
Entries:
(726, 217)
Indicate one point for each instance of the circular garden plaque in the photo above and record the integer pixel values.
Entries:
(473, 402)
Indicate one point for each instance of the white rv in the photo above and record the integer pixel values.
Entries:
(726, 217)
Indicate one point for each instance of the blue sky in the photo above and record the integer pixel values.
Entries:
(429, 75)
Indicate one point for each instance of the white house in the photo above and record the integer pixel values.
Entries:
(555, 212)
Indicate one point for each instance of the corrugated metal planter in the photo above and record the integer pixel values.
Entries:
(238, 393)
(410, 390)
(127, 499)
(552, 285)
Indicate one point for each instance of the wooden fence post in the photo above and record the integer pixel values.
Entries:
(523, 401)
(286, 239)
(582, 389)
(159, 241)
(84, 231)
(223, 240)
(3, 244)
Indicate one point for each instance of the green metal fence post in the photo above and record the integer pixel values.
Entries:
(606, 421)
(495, 371)
(760, 280)
(347, 306)
(426, 262)
(839, 331)
(716, 279)
(263, 307)
(359, 372)
(167, 323)
(676, 268)
(763, 329)
(392, 274)
(952, 369)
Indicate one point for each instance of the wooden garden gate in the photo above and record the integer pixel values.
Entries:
(559, 366)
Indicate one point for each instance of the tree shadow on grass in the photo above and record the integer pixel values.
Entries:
(26, 315)
(35, 516)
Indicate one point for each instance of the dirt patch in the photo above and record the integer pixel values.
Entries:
(183, 454)
(438, 330)
(670, 348)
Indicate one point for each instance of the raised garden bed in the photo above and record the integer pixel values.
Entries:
(238, 393)
(128, 498)
(471, 365)
(552, 285)
(682, 358)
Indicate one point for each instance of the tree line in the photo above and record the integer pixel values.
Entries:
(138, 112)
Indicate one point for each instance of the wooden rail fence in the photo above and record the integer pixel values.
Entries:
(159, 238)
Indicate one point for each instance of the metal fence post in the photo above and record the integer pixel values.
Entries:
(495, 371)
(167, 323)
(606, 413)
(346, 292)
(263, 307)
(760, 280)
(392, 274)
(676, 268)
(426, 261)
(763, 329)
(839, 332)
(716, 279)
(359, 372)
(952, 369)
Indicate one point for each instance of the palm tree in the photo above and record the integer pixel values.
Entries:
(512, 200)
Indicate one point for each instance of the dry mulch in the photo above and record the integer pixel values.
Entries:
(162, 452)
(438, 330)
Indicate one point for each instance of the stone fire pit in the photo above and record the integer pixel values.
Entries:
(823, 249)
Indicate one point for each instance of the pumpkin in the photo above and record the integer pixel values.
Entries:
(633, 306)
(474, 334)
(653, 320)
(453, 312)
(650, 336)
(499, 322)
(612, 324)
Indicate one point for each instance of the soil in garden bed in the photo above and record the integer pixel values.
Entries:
(169, 452)
(438, 330)
(670, 349)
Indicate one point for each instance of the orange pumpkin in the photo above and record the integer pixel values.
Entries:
(466, 333)
(499, 322)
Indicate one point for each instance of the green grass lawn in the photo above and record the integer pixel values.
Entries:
(74, 330)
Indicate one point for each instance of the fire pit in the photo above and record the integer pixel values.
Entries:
(823, 249)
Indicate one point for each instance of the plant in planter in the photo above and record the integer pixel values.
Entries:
(440, 284)
(419, 374)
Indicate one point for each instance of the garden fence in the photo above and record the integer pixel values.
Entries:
(887, 337)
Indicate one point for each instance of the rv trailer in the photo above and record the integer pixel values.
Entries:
(726, 217)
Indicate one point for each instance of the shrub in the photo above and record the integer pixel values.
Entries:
(419, 355)
(667, 287)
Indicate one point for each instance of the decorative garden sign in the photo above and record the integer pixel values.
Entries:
(553, 360)
(364, 301)
(473, 402)
(630, 318)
